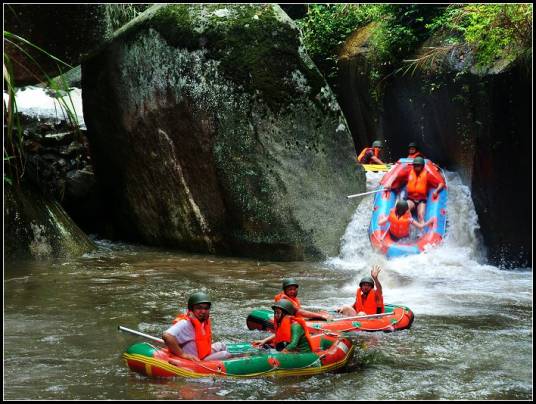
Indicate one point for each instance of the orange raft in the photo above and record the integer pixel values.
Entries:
(334, 353)
(395, 318)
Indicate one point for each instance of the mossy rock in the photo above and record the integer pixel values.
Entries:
(221, 134)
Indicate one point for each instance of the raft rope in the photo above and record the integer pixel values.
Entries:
(375, 329)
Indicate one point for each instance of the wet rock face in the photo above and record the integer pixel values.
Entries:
(211, 131)
(56, 155)
(37, 227)
(479, 126)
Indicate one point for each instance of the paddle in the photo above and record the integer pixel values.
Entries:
(235, 349)
(364, 316)
(125, 329)
(365, 193)
(376, 167)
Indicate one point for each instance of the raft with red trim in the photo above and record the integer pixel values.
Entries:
(380, 237)
(395, 318)
(334, 353)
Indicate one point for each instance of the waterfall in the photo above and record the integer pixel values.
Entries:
(452, 277)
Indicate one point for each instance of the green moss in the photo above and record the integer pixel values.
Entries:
(255, 49)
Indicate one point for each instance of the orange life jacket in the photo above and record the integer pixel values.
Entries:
(416, 154)
(399, 225)
(283, 331)
(295, 301)
(361, 158)
(369, 305)
(417, 185)
(203, 333)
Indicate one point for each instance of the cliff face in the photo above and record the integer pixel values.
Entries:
(478, 125)
(211, 131)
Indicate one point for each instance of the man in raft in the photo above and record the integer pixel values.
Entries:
(413, 151)
(368, 300)
(418, 180)
(371, 155)
(290, 293)
(291, 334)
(400, 220)
(190, 336)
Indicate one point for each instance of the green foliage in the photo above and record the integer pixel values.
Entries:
(120, 14)
(13, 146)
(327, 26)
(492, 31)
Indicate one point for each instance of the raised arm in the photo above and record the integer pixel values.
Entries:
(374, 273)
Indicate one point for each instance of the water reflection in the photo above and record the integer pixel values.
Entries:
(477, 344)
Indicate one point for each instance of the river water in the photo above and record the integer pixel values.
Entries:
(471, 338)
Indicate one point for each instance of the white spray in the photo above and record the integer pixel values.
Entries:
(451, 278)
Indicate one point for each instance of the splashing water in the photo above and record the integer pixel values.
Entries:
(451, 278)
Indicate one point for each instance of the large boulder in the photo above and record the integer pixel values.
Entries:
(212, 131)
(37, 227)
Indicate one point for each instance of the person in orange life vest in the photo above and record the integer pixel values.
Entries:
(400, 220)
(371, 155)
(190, 337)
(418, 181)
(413, 151)
(291, 332)
(368, 300)
(290, 293)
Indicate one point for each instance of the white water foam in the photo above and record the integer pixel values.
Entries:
(451, 278)
(36, 102)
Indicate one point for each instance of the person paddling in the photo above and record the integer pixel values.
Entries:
(371, 155)
(400, 220)
(291, 332)
(190, 336)
(290, 293)
(369, 297)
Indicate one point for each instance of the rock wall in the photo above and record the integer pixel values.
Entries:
(478, 125)
(211, 131)
(36, 227)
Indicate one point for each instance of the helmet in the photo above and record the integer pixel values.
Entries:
(418, 161)
(286, 306)
(289, 282)
(366, 279)
(412, 144)
(376, 143)
(198, 297)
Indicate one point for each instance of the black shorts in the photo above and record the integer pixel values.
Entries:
(416, 202)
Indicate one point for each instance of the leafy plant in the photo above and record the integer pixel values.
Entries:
(120, 14)
(327, 26)
(492, 31)
(14, 141)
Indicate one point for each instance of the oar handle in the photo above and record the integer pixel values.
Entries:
(365, 316)
(141, 334)
(365, 193)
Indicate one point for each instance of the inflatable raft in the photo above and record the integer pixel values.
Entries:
(334, 352)
(395, 318)
(433, 234)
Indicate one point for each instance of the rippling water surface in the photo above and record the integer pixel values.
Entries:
(471, 338)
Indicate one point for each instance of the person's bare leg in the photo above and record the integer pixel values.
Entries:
(421, 209)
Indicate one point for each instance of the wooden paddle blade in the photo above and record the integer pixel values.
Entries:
(376, 167)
